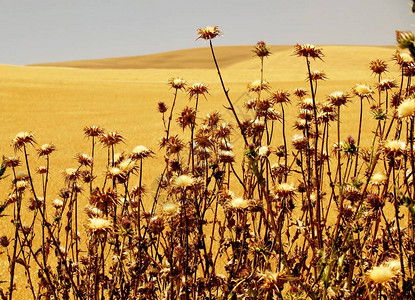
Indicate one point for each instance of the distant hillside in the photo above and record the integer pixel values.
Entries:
(196, 58)
(235, 56)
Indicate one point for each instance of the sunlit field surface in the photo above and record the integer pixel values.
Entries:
(56, 101)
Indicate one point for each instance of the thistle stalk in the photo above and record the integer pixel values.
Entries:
(226, 91)
(318, 203)
(358, 137)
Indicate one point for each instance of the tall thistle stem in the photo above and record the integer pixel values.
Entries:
(285, 143)
(339, 172)
(226, 91)
(171, 114)
(358, 136)
(397, 219)
(318, 203)
(92, 165)
(192, 129)
(16, 237)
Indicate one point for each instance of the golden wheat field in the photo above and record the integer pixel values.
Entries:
(56, 101)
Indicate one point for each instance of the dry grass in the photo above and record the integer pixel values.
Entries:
(56, 103)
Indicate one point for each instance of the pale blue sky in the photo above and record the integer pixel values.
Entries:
(34, 31)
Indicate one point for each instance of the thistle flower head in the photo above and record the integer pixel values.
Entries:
(352, 193)
(300, 92)
(299, 141)
(226, 156)
(92, 131)
(251, 103)
(378, 66)
(4, 241)
(187, 117)
(197, 89)
(71, 174)
(57, 203)
(46, 149)
(306, 114)
(273, 114)
(239, 203)
(406, 109)
(307, 103)
(104, 199)
(93, 212)
(170, 209)
(409, 70)
(386, 84)
(261, 49)
(83, 159)
(257, 86)
(183, 181)
(258, 126)
(111, 138)
(41, 170)
(262, 105)
(99, 225)
(127, 165)
(212, 119)
(303, 124)
(21, 185)
(328, 107)
(394, 147)
(380, 274)
(284, 189)
(326, 116)
(378, 113)
(156, 224)
(21, 139)
(209, 32)
(308, 50)
(36, 203)
(226, 195)
(162, 107)
(280, 96)
(115, 173)
(174, 144)
(338, 98)
(12, 161)
(317, 75)
(362, 90)
(177, 83)
(403, 59)
(405, 39)
(264, 151)
(203, 139)
(406, 58)
(140, 152)
(224, 130)
(378, 179)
